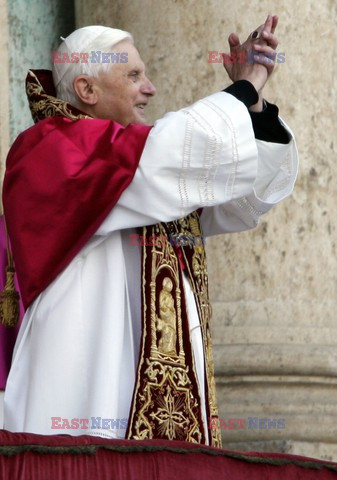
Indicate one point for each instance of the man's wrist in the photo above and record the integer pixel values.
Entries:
(267, 125)
(260, 106)
(244, 91)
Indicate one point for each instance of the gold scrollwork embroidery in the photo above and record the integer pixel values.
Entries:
(164, 404)
(198, 277)
(168, 405)
(43, 105)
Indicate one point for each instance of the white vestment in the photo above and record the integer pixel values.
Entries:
(77, 350)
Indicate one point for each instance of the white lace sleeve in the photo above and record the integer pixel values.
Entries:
(205, 156)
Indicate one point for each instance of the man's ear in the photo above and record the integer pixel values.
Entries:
(86, 89)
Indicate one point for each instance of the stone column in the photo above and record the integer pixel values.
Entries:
(273, 289)
(34, 30)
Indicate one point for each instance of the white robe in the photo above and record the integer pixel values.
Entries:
(77, 350)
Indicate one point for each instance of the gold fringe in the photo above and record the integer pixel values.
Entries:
(9, 297)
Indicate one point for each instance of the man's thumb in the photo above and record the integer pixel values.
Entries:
(233, 41)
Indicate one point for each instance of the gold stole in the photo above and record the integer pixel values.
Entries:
(166, 402)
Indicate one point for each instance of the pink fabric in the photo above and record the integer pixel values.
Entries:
(7, 334)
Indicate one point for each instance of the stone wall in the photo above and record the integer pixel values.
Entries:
(273, 289)
(34, 29)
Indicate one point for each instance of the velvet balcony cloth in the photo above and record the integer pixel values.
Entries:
(26, 456)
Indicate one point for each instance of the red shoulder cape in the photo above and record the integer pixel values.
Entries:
(62, 179)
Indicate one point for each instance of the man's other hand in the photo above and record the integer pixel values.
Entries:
(253, 60)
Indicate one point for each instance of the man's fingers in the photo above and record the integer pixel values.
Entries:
(233, 41)
(275, 22)
(268, 24)
(270, 39)
(266, 58)
(266, 62)
(264, 49)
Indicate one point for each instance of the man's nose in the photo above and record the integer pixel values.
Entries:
(148, 88)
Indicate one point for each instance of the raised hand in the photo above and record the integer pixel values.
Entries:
(253, 60)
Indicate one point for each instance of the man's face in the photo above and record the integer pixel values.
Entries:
(124, 91)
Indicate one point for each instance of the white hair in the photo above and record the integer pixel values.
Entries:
(84, 40)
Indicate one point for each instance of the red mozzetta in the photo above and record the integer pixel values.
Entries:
(62, 179)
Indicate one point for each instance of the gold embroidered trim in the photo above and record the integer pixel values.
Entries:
(42, 105)
(164, 404)
(197, 271)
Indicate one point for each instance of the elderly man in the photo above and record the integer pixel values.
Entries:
(116, 338)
